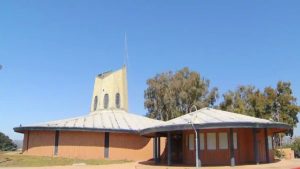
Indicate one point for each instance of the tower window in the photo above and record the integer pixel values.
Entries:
(118, 100)
(95, 103)
(105, 101)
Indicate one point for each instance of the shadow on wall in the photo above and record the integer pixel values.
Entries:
(163, 155)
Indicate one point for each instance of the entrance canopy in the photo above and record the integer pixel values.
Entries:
(209, 118)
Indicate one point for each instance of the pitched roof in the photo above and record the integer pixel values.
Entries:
(210, 115)
(115, 120)
(105, 120)
(206, 118)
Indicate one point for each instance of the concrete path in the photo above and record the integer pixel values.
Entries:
(284, 164)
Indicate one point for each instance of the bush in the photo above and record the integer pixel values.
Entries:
(296, 144)
(279, 154)
(6, 144)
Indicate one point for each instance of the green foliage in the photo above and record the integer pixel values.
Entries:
(279, 154)
(296, 144)
(245, 100)
(6, 144)
(287, 104)
(170, 95)
(277, 104)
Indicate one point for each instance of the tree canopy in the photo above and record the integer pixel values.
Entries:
(277, 104)
(296, 145)
(6, 144)
(170, 95)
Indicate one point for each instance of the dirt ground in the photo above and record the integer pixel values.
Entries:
(284, 164)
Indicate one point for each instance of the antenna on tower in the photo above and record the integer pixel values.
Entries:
(126, 51)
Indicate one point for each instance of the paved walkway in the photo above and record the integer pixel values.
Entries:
(284, 164)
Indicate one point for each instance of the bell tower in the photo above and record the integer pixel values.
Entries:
(110, 91)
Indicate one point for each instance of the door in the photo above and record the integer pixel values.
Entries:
(177, 144)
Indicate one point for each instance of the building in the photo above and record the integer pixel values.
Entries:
(109, 131)
(224, 138)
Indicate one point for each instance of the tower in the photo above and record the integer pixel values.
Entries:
(110, 91)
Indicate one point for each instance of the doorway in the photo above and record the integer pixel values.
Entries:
(177, 154)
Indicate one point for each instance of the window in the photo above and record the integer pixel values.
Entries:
(223, 141)
(270, 142)
(105, 101)
(211, 141)
(235, 140)
(191, 141)
(118, 100)
(95, 102)
(201, 141)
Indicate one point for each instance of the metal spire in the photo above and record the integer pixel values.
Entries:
(126, 51)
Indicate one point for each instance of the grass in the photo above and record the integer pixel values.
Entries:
(15, 159)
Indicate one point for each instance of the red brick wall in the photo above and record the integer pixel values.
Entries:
(243, 154)
(131, 147)
(90, 145)
(40, 143)
(208, 157)
(81, 145)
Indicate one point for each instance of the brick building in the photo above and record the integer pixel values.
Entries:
(110, 131)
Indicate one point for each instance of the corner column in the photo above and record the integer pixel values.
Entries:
(169, 149)
(27, 142)
(155, 149)
(267, 145)
(198, 142)
(56, 143)
(158, 149)
(106, 145)
(255, 146)
(232, 158)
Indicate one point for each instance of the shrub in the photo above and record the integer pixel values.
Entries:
(6, 144)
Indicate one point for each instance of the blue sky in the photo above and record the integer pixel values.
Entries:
(51, 50)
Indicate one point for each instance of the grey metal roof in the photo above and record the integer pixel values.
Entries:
(207, 118)
(111, 120)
